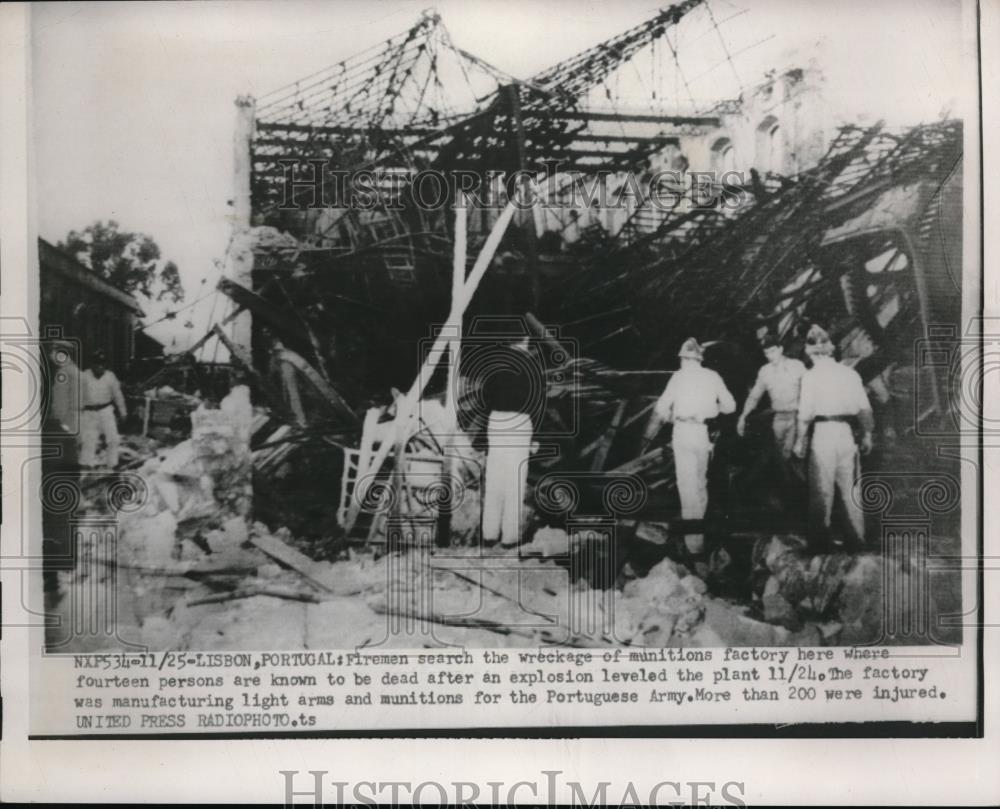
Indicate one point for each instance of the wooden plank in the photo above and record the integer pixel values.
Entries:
(237, 309)
(283, 322)
(541, 333)
(322, 386)
(317, 573)
(183, 569)
(241, 356)
(608, 438)
(591, 447)
(633, 419)
(454, 326)
(639, 464)
(251, 592)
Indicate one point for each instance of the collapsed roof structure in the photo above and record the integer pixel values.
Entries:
(857, 228)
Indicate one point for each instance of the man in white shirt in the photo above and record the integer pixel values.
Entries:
(693, 395)
(101, 396)
(780, 378)
(832, 399)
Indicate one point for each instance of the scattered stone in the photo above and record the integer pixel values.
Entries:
(343, 623)
(159, 634)
(656, 631)
(861, 605)
(777, 610)
(168, 490)
(809, 635)
(234, 535)
(782, 547)
(797, 584)
(627, 573)
(151, 541)
(826, 575)
(661, 581)
(548, 542)
(189, 551)
(694, 585)
(665, 604)
(726, 625)
(260, 622)
(624, 623)
(655, 532)
(829, 630)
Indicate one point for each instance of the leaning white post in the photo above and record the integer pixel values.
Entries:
(406, 405)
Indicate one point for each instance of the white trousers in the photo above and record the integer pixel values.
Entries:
(509, 436)
(833, 467)
(94, 424)
(692, 449)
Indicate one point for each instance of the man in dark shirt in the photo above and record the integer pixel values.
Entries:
(513, 391)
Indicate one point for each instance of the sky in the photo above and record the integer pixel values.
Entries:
(133, 103)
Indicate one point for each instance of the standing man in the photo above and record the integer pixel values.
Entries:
(102, 395)
(780, 378)
(693, 395)
(61, 428)
(64, 389)
(832, 401)
(513, 390)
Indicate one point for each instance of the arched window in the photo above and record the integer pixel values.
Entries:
(770, 146)
(723, 155)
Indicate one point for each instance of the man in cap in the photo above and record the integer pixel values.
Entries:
(102, 395)
(780, 378)
(832, 400)
(693, 395)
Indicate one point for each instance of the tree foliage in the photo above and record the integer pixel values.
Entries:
(129, 261)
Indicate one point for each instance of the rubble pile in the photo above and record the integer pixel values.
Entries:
(668, 603)
(198, 575)
(845, 598)
(221, 441)
(165, 412)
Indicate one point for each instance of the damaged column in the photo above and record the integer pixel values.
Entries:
(239, 266)
(221, 441)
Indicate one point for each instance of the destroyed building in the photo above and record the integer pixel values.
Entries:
(837, 226)
(359, 439)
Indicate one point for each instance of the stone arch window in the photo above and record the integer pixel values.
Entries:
(770, 146)
(723, 155)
